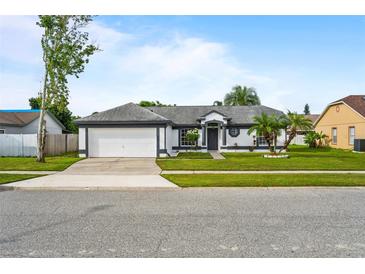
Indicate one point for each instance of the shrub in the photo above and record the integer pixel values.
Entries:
(193, 136)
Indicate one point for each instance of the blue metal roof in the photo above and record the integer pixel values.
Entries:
(19, 110)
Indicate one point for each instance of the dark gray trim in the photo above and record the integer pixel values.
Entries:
(119, 125)
(204, 135)
(163, 151)
(87, 142)
(82, 151)
(224, 132)
(178, 137)
(157, 141)
(247, 126)
(213, 111)
(188, 147)
(186, 126)
(247, 147)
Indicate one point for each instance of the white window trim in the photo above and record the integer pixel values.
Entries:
(261, 138)
(349, 132)
(180, 137)
(332, 135)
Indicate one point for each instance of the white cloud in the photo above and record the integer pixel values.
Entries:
(179, 69)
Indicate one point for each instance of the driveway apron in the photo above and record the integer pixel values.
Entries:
(102, 173)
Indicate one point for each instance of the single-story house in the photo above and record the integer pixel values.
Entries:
(343, 121)
(25, 121)
(133, 131)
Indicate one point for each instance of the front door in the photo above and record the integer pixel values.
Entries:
(212, 138)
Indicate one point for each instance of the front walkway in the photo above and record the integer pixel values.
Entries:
(216, 155)
(263, 172)
(101, 173)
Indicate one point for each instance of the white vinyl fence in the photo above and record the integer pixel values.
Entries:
(26, 144)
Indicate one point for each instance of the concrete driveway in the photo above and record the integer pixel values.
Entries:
(102, 173)
(114, 166)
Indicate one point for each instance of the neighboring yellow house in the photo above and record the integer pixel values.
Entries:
(343, 121)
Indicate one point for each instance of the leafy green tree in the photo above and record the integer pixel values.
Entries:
(269, 127)
(306, 109)
(66, 51)
(64, 115)
(295, 122)
(242, 96)
(144, 103)
(192, 136)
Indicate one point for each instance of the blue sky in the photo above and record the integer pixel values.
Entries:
(290, 60)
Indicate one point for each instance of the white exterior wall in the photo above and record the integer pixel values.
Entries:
(51, 126)
(214, 117)
(162, 138)
(175, 137)
(82, 145)
(32, 128)
(169, 139)
(11, 130)
(281, 139)
(241, 140)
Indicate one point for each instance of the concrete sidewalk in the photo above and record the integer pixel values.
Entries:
(263, 172)
(28, 172)
(93, 182)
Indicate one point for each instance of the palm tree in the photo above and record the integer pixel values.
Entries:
(242, 96)
(267, 126)
(295, 122)
(321, 137)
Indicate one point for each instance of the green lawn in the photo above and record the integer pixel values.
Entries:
(56, 163)
(194, 155)
(9, 178)
(301, 158)
(265, 180)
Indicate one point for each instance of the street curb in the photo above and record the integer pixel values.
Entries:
(17, 188)
(262, 172)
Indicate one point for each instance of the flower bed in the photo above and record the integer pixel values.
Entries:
(276, 156)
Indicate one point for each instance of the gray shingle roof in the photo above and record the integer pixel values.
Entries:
(183, 115)
(17, 119)
(189, 114)
(126, 113)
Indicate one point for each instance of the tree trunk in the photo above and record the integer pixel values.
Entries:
(268, 141)
(41, 138)
(288, 141)
(274, 142)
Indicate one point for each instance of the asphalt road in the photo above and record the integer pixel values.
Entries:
(234, 222)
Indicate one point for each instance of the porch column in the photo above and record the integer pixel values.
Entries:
(224, 135)
(203, 136)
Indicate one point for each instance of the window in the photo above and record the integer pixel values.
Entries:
(183, 140)
(2, 131)
(334, 136)
(261, 141)
(351, 135)
(234, 131)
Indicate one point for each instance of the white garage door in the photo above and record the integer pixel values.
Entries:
(122, 142)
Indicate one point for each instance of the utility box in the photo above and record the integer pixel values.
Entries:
(359, 145)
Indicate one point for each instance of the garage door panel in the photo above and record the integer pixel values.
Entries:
(122, 142)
